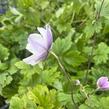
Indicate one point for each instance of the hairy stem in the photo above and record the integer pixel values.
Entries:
(94, 41)
(98, 13)
(66, 75)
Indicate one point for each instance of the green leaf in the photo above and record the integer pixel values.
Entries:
(104, 102)
(61, 46)
(92, 27)
(63, 17)
(3, 66)
(101, 53)
(21, 65)
(43, 3)
(96, 103)
(5, 80)
(64, 98)
(74, 58)
(92, 102)
(49, 76)
(89, 30)
(4, 53)
(22, 103)
(67, 53)
(16, 103)
(105, 8)
(40, 97)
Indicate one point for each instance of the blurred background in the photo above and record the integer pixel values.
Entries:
(81, 40)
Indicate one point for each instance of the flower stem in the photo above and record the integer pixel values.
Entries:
(83, 90)
(67, 77)
(97, 16)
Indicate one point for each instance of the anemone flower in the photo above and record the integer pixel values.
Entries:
(39, 45)
(103, 83)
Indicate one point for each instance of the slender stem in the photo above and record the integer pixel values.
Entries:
(94, 38)
(89, 60)
(61, 66)
(66, 75)
(83, 90)
(94, 91)
(98, 13)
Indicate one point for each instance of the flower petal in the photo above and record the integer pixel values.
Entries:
(35, 43)
(101, 81)
(106, 86)
(43, 33)
(31, 48)
(47, 35)
(35, 59)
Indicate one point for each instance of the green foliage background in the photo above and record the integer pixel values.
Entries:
(81, 41)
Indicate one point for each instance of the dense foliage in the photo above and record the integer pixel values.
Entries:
(80, 40)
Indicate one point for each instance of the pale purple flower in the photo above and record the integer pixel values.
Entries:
(39, 45)
(103, 83)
